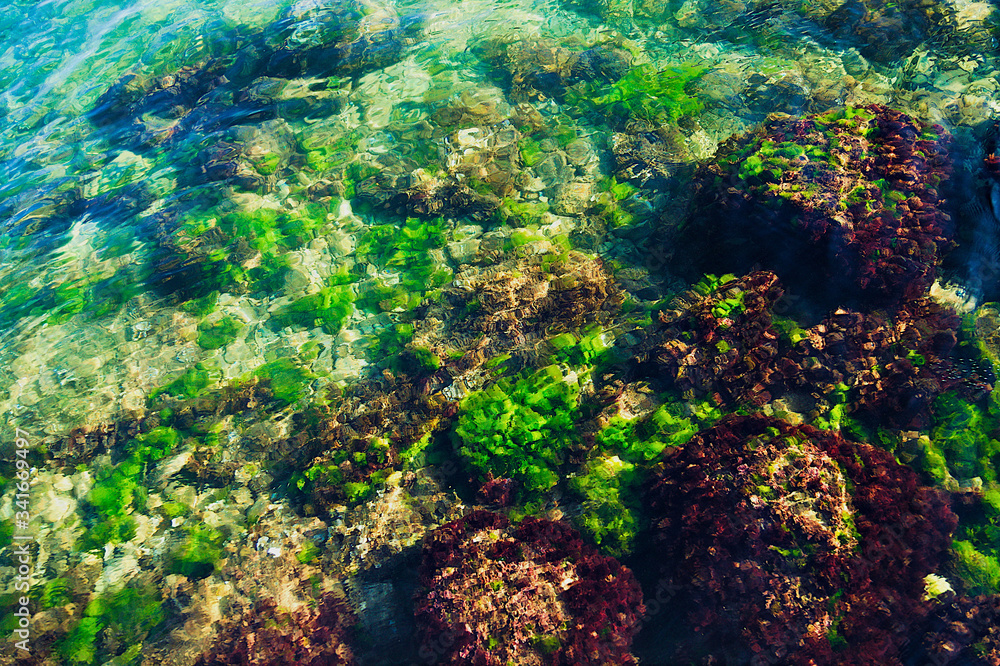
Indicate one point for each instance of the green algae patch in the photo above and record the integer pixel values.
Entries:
(190, 383)
(55, 592)
(531, 151)
(589, 347)
(610, 484)
(287, 380)
(963, 450)
(220, 333)
(329, 308)
(390, 343)
(113, 619)
(380, 297)
(196, 556)
(329, 474)
(671, 425)
(200, 307)
(521, 430)
(406, 248)
(236, 251)
(654, 96)
(963, 434)
(308, 553)
(611, 511)
(979, 571)
(118, 489)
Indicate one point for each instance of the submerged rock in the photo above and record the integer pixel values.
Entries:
(319, 38)
(718, 340)
(310, 39)
(722, 340)
(312, 635)
(532, 593)
(791, 543)
(531, 68)
(842, 205)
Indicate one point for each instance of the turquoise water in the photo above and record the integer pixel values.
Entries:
(287, 287)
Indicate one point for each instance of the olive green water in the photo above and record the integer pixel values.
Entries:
(202, 319)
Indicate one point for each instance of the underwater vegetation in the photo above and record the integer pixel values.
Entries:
(841, 204)
(317, 635)
(113, 624)
(232, 251)
(644, 98)
(392, 277)
(791, 543)
(528, 592)
(520, 430)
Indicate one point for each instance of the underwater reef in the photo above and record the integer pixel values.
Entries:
(394, 344)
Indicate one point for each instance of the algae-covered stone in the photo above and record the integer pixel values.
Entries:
(842, 204)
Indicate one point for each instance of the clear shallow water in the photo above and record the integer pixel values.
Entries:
(275, 300)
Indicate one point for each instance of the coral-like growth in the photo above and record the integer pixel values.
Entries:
(793, 543)
(530, 593)
(843, 204)
(717, 340)
(722, 341)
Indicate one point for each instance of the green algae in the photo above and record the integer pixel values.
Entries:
(531, 151)
(55, 592)
(611, 484)
(521, 213)
(117, 618)
(191, 383)
(197, 554)
(520, 430)
(287, 379)
(380, 297)
(119, 489)
(220, 333)
(308, 553)
(611, 511)
(409, 249)
(588, 347)
(963, 447)
(328, 308)
(200, 307)
(241, 251)
(979, 571)
(329, 473)
(963, 433)
(654, 96)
